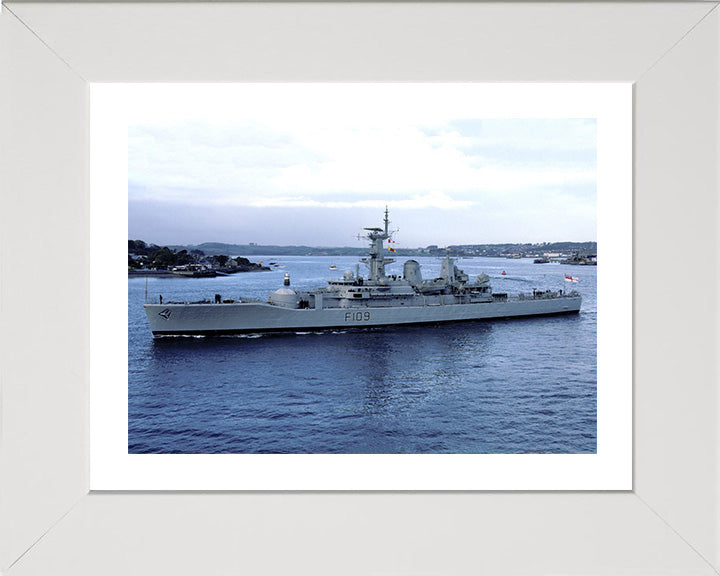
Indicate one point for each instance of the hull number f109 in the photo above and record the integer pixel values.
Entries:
(357, 316)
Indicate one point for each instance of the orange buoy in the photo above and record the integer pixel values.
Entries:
(503, 272)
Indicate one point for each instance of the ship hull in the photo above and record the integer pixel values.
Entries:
(249, 317)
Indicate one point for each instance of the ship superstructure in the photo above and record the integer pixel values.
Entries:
(354, 300)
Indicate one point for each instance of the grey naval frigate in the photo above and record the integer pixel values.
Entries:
(378, 299)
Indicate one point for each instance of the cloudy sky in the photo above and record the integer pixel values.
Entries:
(314, 164)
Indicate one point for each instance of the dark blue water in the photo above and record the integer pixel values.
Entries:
(496, 387)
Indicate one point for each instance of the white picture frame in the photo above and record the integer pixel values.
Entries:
(667, 524)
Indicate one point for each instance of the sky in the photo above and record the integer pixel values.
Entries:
(314, 164)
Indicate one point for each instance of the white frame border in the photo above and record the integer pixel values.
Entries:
(669, 532)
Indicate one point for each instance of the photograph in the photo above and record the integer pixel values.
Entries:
(358, 269)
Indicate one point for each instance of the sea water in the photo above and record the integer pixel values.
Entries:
(514, 386)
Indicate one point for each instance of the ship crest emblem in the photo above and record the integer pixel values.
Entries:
(165, 313)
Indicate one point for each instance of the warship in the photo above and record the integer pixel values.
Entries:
(377, 299)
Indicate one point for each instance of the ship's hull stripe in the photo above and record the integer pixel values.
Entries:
(234, 331)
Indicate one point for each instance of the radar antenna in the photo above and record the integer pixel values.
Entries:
(376, 261)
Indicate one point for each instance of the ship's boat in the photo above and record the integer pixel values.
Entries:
(374, 299)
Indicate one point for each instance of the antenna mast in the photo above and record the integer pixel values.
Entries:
(377, 261)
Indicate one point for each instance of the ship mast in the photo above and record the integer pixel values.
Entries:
(377, 261)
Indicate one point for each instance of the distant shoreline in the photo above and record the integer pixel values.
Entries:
(564, 249)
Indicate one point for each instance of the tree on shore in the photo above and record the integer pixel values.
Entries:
(162, 258)
(140, 253)
(221, 259)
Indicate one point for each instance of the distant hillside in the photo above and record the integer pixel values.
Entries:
(497, 250)
(525, 250)
(214, 248)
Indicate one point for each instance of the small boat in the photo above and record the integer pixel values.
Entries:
(196, 273)
(333, 267)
